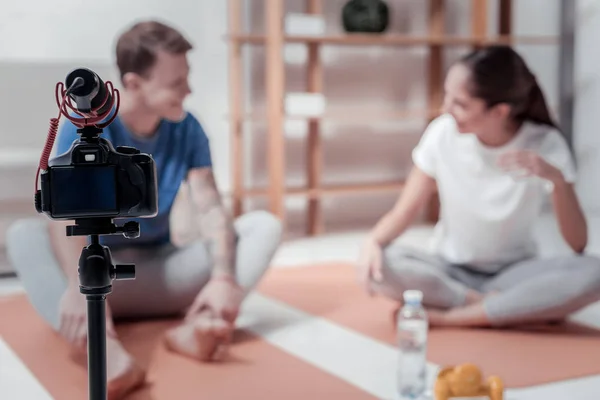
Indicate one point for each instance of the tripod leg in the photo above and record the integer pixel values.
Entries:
(96, 273)
(96, 347)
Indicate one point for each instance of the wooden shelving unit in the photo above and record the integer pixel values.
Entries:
(274, 39)
(357, 39)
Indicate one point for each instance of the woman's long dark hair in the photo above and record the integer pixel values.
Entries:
(500, 75)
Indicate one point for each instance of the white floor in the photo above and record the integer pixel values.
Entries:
(372, 363)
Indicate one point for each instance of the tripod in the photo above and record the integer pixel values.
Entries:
(96, 273)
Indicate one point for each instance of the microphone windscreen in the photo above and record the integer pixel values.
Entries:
(91, 94)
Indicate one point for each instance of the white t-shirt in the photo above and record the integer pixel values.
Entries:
(487, 215)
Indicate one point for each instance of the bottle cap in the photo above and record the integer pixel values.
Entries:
(413, 296)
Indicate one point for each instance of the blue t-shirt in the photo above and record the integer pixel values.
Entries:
(176, 148)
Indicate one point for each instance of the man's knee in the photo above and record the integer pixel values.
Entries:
(23, 228)
(270, 225)
(21, 238)
(263, 224)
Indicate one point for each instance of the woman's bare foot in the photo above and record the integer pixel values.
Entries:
(435, 315)
(473, 297)
(473, 315)
(205, 338)
(123, 374)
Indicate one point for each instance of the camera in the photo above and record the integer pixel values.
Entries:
(93, 179)
(94, 183)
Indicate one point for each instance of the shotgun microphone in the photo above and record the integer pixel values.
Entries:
(89, 92)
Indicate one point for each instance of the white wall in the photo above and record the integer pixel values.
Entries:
(40, 41)
(587, 95)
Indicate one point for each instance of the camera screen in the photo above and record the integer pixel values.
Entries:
(84, 191)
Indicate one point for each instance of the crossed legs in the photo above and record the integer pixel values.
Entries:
(533, 290)
(167, 279)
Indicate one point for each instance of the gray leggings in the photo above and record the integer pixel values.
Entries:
(167, 278)
(531, 290)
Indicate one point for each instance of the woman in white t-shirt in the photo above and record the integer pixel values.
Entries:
(496, 157)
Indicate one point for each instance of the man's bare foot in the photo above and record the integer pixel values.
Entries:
(205, 338)
(123, 374)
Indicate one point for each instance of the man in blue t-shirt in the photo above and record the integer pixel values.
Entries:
(204, 274)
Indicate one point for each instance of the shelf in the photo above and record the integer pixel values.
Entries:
(351, 115)
(397, 40)
(271, 113)
(333, 190)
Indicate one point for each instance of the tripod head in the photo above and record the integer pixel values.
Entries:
(103, 226)
(96, 269)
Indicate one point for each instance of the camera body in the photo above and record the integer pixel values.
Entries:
(95, 180)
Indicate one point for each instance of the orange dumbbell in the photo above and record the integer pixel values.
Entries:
(466, 380)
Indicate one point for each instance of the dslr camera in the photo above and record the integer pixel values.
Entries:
(94, 183)
(93, 179)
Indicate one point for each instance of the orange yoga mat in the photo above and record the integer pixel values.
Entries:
(522, 357)
(256, 370)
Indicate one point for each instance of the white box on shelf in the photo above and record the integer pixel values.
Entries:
(297, 24)
(305, 104)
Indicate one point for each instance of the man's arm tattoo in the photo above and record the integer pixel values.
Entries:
(216, 225)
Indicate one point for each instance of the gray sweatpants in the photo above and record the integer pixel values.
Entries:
(167, 278)
(531, 290)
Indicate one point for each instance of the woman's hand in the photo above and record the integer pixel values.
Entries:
(570, 216)
(370, 263)
(530, 163)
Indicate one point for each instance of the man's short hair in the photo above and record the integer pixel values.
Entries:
(137, 47)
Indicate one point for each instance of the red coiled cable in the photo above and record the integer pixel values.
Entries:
(92, 119)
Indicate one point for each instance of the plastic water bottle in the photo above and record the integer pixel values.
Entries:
(413, 327)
